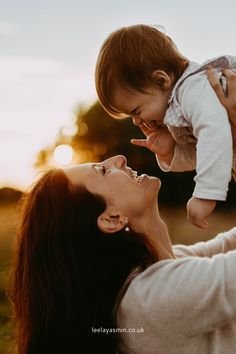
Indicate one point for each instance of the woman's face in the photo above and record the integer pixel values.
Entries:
(120, 186)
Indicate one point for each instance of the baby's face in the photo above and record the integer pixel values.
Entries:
(147, 107)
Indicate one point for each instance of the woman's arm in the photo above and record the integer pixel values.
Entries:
(222, 243)
(193, 296)
(228, 100)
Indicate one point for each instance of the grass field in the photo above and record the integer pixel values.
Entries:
(180, 230)
(8, 224)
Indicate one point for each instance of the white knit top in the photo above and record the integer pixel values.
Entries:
(183, 306)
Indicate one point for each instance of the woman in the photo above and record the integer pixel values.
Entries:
(93, 254)
(82, 233)
(86, 231)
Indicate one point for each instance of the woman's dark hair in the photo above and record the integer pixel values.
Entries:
(66, 272)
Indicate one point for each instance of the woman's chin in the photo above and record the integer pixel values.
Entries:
(154, 184)
(158, 182)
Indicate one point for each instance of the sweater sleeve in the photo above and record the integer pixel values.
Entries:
(184, 159)
(222, 243)
(189, 296)
(211, 127)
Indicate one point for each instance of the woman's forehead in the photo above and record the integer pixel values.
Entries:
(78, 172)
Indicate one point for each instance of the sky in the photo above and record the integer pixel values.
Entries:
(48, 51)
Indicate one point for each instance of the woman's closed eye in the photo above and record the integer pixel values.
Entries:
(104, 170)
(100, 169)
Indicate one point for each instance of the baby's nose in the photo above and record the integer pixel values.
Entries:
(136, 120)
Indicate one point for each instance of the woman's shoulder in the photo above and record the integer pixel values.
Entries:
(157, 294)
(187, 296)
(180, 280)
(160, 278)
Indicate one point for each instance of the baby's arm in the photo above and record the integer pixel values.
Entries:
(184, 157)
(214, 145)
(158, 140)
(170, 155)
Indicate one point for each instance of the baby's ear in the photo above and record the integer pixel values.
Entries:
(162, 79)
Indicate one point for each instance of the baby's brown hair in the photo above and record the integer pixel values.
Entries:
(129, 56)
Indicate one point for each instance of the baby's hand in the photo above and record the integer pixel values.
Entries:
(198, 210)
(158, 139)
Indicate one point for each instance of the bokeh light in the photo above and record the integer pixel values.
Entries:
(69, 130)
(63, 154)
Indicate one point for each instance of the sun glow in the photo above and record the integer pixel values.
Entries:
(63, 154)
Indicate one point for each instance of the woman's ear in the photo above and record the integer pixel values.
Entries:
(162, 79)
(110, 223)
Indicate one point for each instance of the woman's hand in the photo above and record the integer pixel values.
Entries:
(228, 100)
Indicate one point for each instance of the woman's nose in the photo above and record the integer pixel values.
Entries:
(118, 161)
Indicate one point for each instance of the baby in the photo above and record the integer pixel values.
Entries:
(140, 73)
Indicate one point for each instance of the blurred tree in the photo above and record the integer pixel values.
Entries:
(98, 137)
(9, 195)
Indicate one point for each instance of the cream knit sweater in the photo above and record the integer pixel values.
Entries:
(186, 305)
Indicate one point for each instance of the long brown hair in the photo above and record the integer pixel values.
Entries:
(67, 273)
(129, 56)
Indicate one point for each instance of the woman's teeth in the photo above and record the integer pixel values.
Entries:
(135, 176)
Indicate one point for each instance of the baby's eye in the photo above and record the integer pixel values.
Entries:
(135, 113)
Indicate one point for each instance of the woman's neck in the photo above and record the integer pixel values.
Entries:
(156, 230)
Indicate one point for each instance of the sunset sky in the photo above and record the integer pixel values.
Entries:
(48, 51)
